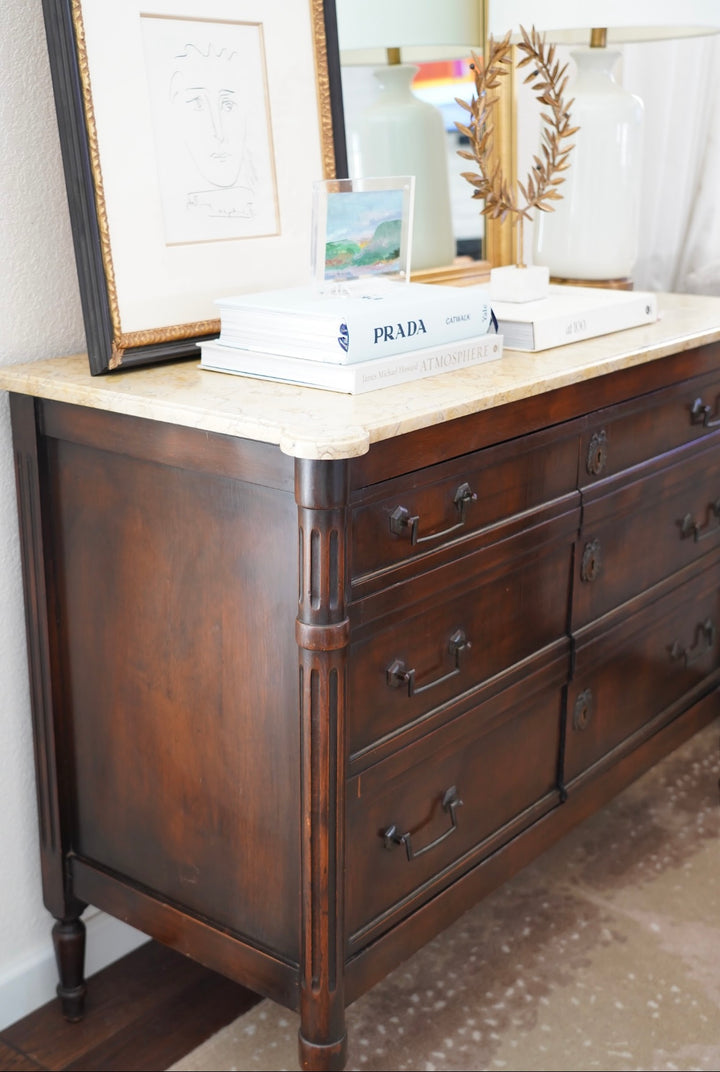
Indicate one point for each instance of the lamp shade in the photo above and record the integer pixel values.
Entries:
(371, 24)
(570, 21)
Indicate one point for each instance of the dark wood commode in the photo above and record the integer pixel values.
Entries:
(293, 715)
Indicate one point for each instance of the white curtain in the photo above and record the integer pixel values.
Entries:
(679, 82)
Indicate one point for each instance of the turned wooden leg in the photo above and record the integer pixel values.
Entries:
(321, 1058)
(69, 941)
(44, 632)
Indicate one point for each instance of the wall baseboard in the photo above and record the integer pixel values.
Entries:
(30, 981)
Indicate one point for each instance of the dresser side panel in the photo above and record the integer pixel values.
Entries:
(177, 594)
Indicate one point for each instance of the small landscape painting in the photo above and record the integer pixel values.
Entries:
(364, 233)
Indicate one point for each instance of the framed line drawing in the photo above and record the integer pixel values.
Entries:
(191, 137)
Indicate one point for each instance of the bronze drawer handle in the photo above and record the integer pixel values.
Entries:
(450, 802)
(402, 523)
(704, 641)
(397, 674)
(700, 414)
(690, 527)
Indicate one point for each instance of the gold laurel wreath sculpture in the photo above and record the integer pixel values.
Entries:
(549, 81)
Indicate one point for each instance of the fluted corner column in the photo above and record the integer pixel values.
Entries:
(322, 631)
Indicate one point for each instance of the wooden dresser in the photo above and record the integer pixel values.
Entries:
(312, 673)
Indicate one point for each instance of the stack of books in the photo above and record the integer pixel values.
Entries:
(373, 335)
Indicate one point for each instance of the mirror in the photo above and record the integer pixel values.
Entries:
(470, 242)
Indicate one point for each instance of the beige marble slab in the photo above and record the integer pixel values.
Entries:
(308, 423)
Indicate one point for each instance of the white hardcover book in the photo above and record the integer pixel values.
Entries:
(375, 319)
(570, 314)
(355, 378)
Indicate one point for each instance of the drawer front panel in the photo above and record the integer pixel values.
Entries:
(422, 512)
(642, 533)
(452, 641)
(625, 435)
(640, 668)
(404, 825)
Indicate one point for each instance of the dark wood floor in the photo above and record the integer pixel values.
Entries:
(143, 1013)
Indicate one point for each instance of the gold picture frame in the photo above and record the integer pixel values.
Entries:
(161, 230)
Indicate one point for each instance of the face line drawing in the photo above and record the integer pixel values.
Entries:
(207, 82)
(209, 113)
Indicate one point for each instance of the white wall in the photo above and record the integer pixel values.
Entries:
(39, 317)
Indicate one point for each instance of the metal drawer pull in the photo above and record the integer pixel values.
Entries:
(450, 802)
(403, 524)
(700, 414)
(397, 674)
(705, 633)
(690, 527)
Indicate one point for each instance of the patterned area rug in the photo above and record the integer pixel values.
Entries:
(602, 954)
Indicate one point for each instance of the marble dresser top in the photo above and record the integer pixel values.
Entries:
(309, 423)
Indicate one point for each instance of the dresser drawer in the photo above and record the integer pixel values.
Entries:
(622, 436)
(631, 675)
(455, 628)
(644, 531)
(407, 832)
(422, 512)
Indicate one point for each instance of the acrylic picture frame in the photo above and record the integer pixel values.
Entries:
(362, 230)
(148, 280)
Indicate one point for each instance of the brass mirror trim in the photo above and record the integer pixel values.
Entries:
(499, 239)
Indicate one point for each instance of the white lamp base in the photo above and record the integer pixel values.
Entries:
(514, 284)
(593, 234)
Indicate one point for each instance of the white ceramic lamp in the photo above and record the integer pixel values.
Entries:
(592, 236)
(399, 134)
